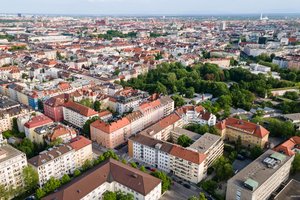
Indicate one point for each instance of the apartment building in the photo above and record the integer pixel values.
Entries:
(12, 162)
(197, 115)
(51, 132)
(53, 108)
(251, 134)
(32, 124)
(210, 145)
(115, 133)
(63, 159)
(113, 176)
(260, 178)
(188, 163)
(77, 114)
(83, 150)
(162, 129)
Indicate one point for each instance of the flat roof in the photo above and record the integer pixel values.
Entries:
(290, 192)
(9, 153)
(258, 170)
(205, 142)
(194, 136)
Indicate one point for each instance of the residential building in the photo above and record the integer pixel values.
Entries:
(54, 163)
(77, 114)
(113, 176)
(260, 178)
(52, 132)
(251, 134)
(189, 163)
(83, 150)
(289, 147)
(12, 163)
(53, 108)
(196, 114)
(33, 123)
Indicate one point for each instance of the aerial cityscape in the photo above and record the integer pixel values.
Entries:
(150, 100)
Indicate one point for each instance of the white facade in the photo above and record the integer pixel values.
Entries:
(12, 163)
(75, 118)
(115, 186)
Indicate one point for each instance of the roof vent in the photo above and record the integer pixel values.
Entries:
(134, 175)
(78, 191)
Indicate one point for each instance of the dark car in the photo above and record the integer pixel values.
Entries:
(149, 168)
(187, 186)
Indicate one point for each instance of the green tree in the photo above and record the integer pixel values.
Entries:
(97, 106)
(189, 93)
(87, 165)
(124, 161)
(178, 100)
(184, 141)
(65, 179)
(160, 88)
(223, 168)
(143, 169)
(255, 152)
(110, 154)
(40, 193)
(5, 194)
(166, 180)
(133, 164)
(209, 186)
(291, 95)
(51, 185)
(296, 164)
(108, 195)
(76, 173)
(86, 129)
(30, 178)
(27, 147)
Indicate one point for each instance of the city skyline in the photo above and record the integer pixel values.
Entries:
(149, 7)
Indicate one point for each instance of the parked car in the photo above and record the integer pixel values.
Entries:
(149, 168)
(152, 169)
(187, 185)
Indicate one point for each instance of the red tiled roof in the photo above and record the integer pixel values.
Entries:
(109, 128)
(61, 130)
(83, 110)
(37, 121)
(79, 142)
(253, 128)
(288, 146)
(187, 154)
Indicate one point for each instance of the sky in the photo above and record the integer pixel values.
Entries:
(149, 7)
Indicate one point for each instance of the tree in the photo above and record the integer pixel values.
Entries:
(233, 62)
(160, 88)
(108, 195)
(86, 129)
(76, 173)
(117, 72)
(201, 197)
(110, 154)
(178, 100)
(27, 147)
(255, 152)
(184, 141)
(189, 93)
(65, 179)
(291, 95)
(296, 163)
(30, 178)
(40, 193)
(124, 161)
(5, 194)
(143, 169)
(166, 180)
(51, 185)
(209, 186)
(56, 142)
(97, 106)
(223, 168)
(87, 165)
(133, 164)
